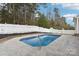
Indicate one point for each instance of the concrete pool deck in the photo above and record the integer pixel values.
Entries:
(66, 45)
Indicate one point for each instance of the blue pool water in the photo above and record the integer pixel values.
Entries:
(42, 40)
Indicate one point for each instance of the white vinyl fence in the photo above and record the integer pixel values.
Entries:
(12, 28)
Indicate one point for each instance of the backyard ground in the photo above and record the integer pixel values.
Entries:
(65, 45)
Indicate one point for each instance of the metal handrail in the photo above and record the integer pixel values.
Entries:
(39, 42)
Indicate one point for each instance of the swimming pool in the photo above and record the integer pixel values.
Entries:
(42, 40)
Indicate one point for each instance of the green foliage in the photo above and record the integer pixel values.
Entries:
(43, 22)
(24, 13)
(19, 13)
(4, 15)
